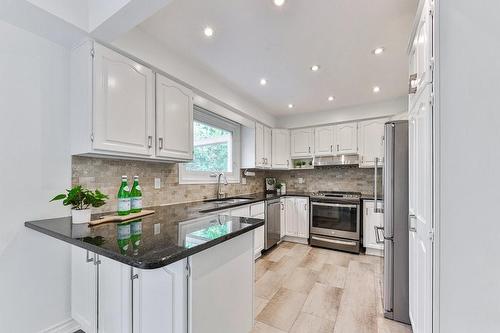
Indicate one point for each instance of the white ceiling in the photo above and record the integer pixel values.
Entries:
(255, 39)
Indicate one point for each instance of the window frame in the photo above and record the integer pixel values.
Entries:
(204, 177)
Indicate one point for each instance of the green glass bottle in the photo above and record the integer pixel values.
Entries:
(123, 236)
(135, 235)
(135, 197)
(123, 198)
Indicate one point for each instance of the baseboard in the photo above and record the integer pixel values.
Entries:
(67, 326)
(374, 252)
(296, 240)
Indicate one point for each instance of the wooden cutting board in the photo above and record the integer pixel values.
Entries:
(121, 218)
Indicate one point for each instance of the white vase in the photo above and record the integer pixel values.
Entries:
(80, 215)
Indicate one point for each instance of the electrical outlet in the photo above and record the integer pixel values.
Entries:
(243, 181)
(301, 180)
(156, 228)
(157, 183)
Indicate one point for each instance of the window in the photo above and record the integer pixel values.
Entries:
(216, 149)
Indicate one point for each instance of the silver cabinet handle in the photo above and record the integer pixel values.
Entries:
(305, 206)
(160, 141)
(411, 227)
(132, 275)
(378, 240)
(263, 160)
(338, 147)
(331, 148)
(88, 258)
(150, 141)
(309, 149)
(287, 163)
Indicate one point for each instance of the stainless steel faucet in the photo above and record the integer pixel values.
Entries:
(219, 175)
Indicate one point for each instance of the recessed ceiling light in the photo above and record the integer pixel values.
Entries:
(376, 89)
(315, 68)
(263, 82)
(279, 3)
(378, 51)
(331, 98)
(209, 32)
(290, 106)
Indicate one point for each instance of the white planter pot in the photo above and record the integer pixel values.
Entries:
(80, 215)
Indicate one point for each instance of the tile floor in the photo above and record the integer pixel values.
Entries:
(303, 289)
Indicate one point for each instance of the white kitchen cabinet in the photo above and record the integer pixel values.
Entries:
(243, 211)
(302, 142)
(255, 211)
(174, 120)
(370, 221)
(296, 212)
(346, 138)
(108, 296)
(259, 238)
(282, 218)
(281, 149)
(371, 142)
(256, 147)
(324, 141)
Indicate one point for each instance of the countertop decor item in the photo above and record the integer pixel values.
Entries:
(81, 199)
(121, 218)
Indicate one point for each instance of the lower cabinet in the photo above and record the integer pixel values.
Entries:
(108, 296)
(296, 213)
(256, 211)
(370, 221)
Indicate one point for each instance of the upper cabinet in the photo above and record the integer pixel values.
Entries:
(256, 147)
(113, 108)
(302, 142)
(281, 149)
(371, 141)
(123, 112)
(174, 120)
(324, 140)
(346, 138)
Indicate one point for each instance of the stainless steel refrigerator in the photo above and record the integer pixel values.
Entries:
(395, 230)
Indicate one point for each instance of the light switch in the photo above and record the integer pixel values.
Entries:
(157, 183)
(243, 181)
(301, 180)
(156, 228)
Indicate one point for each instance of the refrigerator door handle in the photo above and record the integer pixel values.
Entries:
(388, 276)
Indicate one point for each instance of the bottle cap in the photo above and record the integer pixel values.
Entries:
(124, 177)
(136, 177)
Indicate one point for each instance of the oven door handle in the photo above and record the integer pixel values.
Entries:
(333, 205)
(334, 241)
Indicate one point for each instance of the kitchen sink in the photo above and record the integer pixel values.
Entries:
(228, 200)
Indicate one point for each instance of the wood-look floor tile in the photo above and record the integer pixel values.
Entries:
(268, 285)
(301, 280)
(323, 301)
(285, 266)
(263, 328)
(259, 304)
(282, 309)
(299, 251)
(358, 308)
(314, 261)
(287, 245)
(307, 323)
(338, 258)
(261, 267)
(332, 275)
(276, 253)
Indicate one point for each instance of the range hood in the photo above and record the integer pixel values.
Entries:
(336, 160)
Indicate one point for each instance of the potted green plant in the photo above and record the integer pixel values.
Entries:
(304, 164)
(278, 187)
(81, 199)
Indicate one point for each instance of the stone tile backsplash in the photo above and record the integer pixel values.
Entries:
(105, 174)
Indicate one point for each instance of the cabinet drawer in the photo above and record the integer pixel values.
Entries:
(257, 209)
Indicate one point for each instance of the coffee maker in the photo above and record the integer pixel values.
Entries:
(270, 185)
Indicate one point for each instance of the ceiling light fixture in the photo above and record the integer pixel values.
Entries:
(290, 106)
(331, 98)
(279, 3)
(315, 68)
(378, 51)
(376, 89)
(209, 32)
(263, 82)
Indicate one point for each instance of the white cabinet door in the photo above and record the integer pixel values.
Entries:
(324, 140)
(421, 247)
(302, 142)
(268, 143)
(291, 227)
(346, 138)
(243, 211)
(259, 238)
(160, 299)
(83, 289)
(123, 113)
(371, 142)
(282, 218)
(302, 217)
(281, 149)
(370, 221)
(259, 145)
(174, 120)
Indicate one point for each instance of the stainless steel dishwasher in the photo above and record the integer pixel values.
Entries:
(273, 224)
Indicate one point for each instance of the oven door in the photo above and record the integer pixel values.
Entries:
(335, 219)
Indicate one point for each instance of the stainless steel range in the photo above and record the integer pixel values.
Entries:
(335, 220)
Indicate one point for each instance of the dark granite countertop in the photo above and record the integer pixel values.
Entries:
(172, 233)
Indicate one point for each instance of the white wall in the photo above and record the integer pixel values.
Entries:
(35, 165)
(75, 12)
(469, 122)
(374, 110)
(152, 51)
